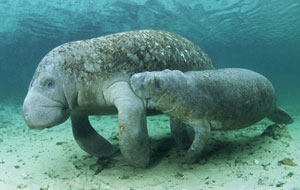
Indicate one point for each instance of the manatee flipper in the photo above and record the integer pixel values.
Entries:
(202, 132)
(180, 133)
(280, 116)
(133, 134)
(88, 139)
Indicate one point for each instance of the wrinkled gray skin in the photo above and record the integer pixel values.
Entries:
(224, 99)
(91, 77)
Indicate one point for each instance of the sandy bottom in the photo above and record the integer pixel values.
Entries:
(51, 160)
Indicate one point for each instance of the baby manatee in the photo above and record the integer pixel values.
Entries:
(223, 99)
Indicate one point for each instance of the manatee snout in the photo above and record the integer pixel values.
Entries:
(137, 84)
(40, 112)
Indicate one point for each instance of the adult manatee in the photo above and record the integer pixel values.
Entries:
(223, 99)
(91, 77)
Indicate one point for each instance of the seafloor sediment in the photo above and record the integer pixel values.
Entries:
(242, 159)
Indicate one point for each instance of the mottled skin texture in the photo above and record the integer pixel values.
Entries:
(224, 99)
(91, 77)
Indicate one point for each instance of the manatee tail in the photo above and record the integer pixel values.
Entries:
(280, 116)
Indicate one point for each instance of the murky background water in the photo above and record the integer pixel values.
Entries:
(262, 35)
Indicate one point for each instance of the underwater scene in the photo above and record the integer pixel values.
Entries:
(149, 94)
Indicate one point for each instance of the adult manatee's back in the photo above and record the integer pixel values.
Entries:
(91, 77)
(131, 52)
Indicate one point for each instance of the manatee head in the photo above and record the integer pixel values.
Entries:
(159, 88)
(45, 104)
(148, 85)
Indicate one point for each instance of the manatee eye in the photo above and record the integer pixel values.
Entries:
(48, 83)
(156, 83)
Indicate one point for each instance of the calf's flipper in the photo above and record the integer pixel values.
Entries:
(202, 132)
(180, 133)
